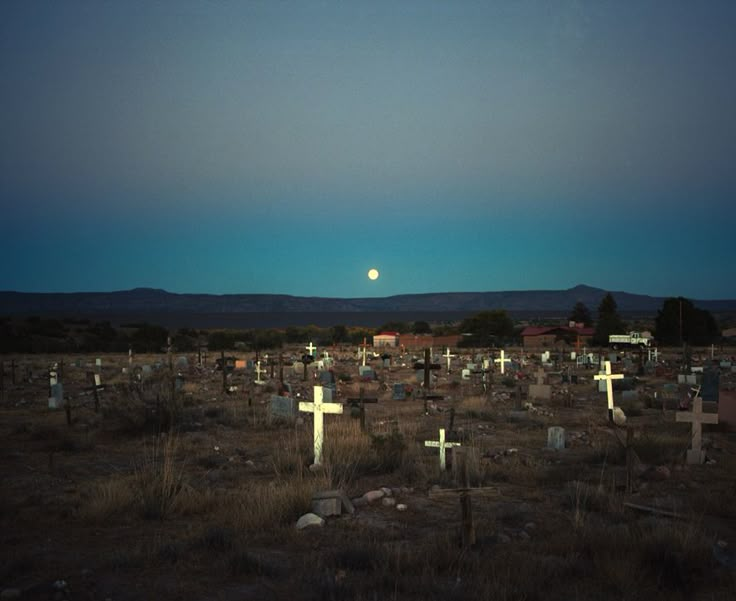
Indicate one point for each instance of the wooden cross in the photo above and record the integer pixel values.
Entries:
(259, 371)
(502, 360)
(311, 348)
(319, 409)
(443, 446)
(609, 377)
(696, 455)
(130, 356)
(449, 357)
(359, 404)
(540, 376)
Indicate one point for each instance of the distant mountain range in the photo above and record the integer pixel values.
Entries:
(149, 300)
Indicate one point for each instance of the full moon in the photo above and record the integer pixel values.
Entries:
(373, 274)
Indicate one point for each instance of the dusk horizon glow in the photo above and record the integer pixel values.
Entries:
(288, 148)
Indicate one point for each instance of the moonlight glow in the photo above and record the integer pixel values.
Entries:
(373, 274)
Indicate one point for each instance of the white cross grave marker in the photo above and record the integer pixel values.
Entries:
(365, 346)
(443, 446)
(449, 357)
(130, 356)
(311, 348)
(259, 371)
(696, 455)
(319, 409)
(502, 360)
(609, 377)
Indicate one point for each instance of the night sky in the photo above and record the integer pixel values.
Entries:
(288, 147)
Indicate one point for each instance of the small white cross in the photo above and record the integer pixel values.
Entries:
(311, 348)
(259, 371)
(696, 455)
(130, 356)
(365, 346)
(502, 360)
(319, 409)
(443, 446)
(609, 377)
(449, 357)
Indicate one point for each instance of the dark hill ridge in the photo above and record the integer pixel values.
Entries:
(149, 300)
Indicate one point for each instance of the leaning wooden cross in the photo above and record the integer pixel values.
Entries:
(443, 446)
(697, 418)
(609, 377)
(465, 493)
(319, 409)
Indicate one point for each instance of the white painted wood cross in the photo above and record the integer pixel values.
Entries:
(609, 377)
(319, 409)
(311, 348)
(259, 371)
(365, 346)
(449, 357)
(502, 360)
(130, 356)
(696, 455)
(443, 446)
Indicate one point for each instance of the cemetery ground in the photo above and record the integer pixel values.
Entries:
(173, 488)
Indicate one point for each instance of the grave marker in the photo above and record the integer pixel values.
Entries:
(443, 446)
(259, 371)
(449, 357)
(696, 455)
(319, 408)
(283, 407)
(502, 360)
(311, 348)
(608, 378)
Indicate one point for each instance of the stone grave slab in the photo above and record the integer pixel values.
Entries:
(556, 438)
(56, 400)
(283, 407)
(399, 392)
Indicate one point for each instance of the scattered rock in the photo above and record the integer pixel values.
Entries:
(619, 417)
(401, 507)
(388, 501)
(373, 495)
(387, 491)
(530, 526)
(309, 519)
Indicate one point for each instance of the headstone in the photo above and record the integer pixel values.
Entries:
(182, 363)
(178, 383)
(399, 392)
(319, 408)
(56, 400)
(366, 373)
(146, 371)
(711, 385)
(697, 418)
(327, 503)
(556, 438)
(727, 409)
(465, 374)
(98, 364)
(443, 446)
(283, 407)
(540, 391)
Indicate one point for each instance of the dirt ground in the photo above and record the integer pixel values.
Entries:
(183, 491)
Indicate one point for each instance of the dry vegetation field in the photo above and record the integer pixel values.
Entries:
(194, 494)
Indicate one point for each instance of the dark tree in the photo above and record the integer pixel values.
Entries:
(581, 314)
(679, 321)
(339, 334)
(609, 321)
(486, 328)
(395, 326)
(421, 327)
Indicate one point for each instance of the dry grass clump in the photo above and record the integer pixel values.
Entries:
(108, 498)
(159, 480)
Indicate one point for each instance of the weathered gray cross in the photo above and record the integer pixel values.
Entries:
(319, 409)
(697, 418)
(443, 446)
(609, 377)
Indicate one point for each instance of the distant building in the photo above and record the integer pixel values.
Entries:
(386, 339)
(421, 341)
(550, 336)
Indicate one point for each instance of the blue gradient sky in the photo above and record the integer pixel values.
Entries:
(288, 147)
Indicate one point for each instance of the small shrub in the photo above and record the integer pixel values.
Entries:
(159, 480)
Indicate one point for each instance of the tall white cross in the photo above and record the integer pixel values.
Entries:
(443, 446)
(130, 356)
(712, 350)
(311, 348)
(449, 357)
(502, 360)
(697, 418)
(609, 377)
(259, 371)
(319, 409)
(365, 346)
